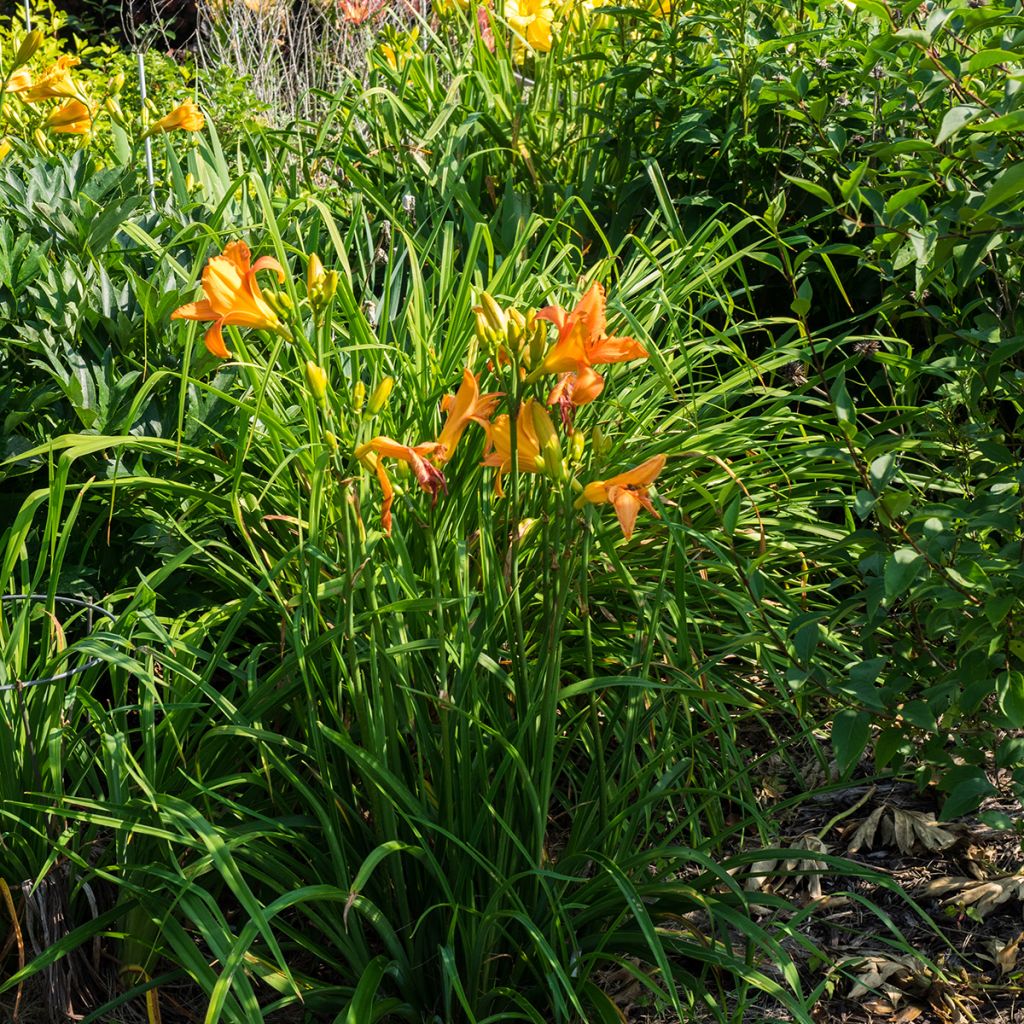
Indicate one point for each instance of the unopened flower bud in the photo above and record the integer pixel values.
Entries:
(316, 378)
(578, 443)
(113, 108)
(116, 84)
(28, 47)
(538, 343)
(547, 441)
(332, 441)
(314, 273)
(602, 444)
(279, 302)
(39, 139)
(494, 316)
(380, 396)
(359, 396)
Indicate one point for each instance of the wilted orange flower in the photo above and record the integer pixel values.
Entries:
(627, 492)
(429, 477)
(466, 406)
(55, 82)
(71, 118)
(528, 453)
(186, 116)
(582, 344)
(233, 296)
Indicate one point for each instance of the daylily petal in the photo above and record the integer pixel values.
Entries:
(588, 385)
(615, 350)
(214, 340)
(627, 505)
(269, 263)
(201, 310)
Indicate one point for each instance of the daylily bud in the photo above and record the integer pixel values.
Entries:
(547, 441)
(316, 378)
(602, 445)
(117, 84)
(538, 342)
(359, 396)
(113, 108)
(5, 148)
(380, 396)
(279, 302)
(28, 47)
(578, 443)
(314, 273)
(330, 285)
(332, 441)
(190, 181)
(39, 139)
(494, 315)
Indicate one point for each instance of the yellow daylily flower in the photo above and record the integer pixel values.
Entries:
(531, 24)
(71, 118)
(55, 83)
(627, 492)
(186, 116)
(233, 296)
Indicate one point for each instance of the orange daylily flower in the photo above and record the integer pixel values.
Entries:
(627, 492)
(466, 406)
(233, 296)
(186, 116)
(71, 118)
(582, 344)
(55, 82)
(429, 477)
(528, 454)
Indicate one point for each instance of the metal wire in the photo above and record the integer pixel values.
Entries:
(77, 602)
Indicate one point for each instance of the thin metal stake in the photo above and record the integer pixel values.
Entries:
(149, 144)
(28, 17)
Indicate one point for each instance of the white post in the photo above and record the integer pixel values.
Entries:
(148, 143)
(28, 17)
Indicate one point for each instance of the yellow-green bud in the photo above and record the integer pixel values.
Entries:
(359, 396)
(316, 378)
(332, 441)
(40, 142)
(117, 84)
(279, 302)
(380, 396)
(547, 440)
(538, 342)
(28, 47)
(113, 108)
(314, 273)
(578, 442)
(494, 316)
(602, 444)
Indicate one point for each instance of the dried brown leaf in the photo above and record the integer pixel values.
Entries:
(983, 896)
(907, 830)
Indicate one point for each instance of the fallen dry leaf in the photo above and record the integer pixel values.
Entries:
(983, 896)
(887, 825)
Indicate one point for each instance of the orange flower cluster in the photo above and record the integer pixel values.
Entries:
(517, 342)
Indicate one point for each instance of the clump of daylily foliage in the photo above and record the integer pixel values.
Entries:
(532, 370)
